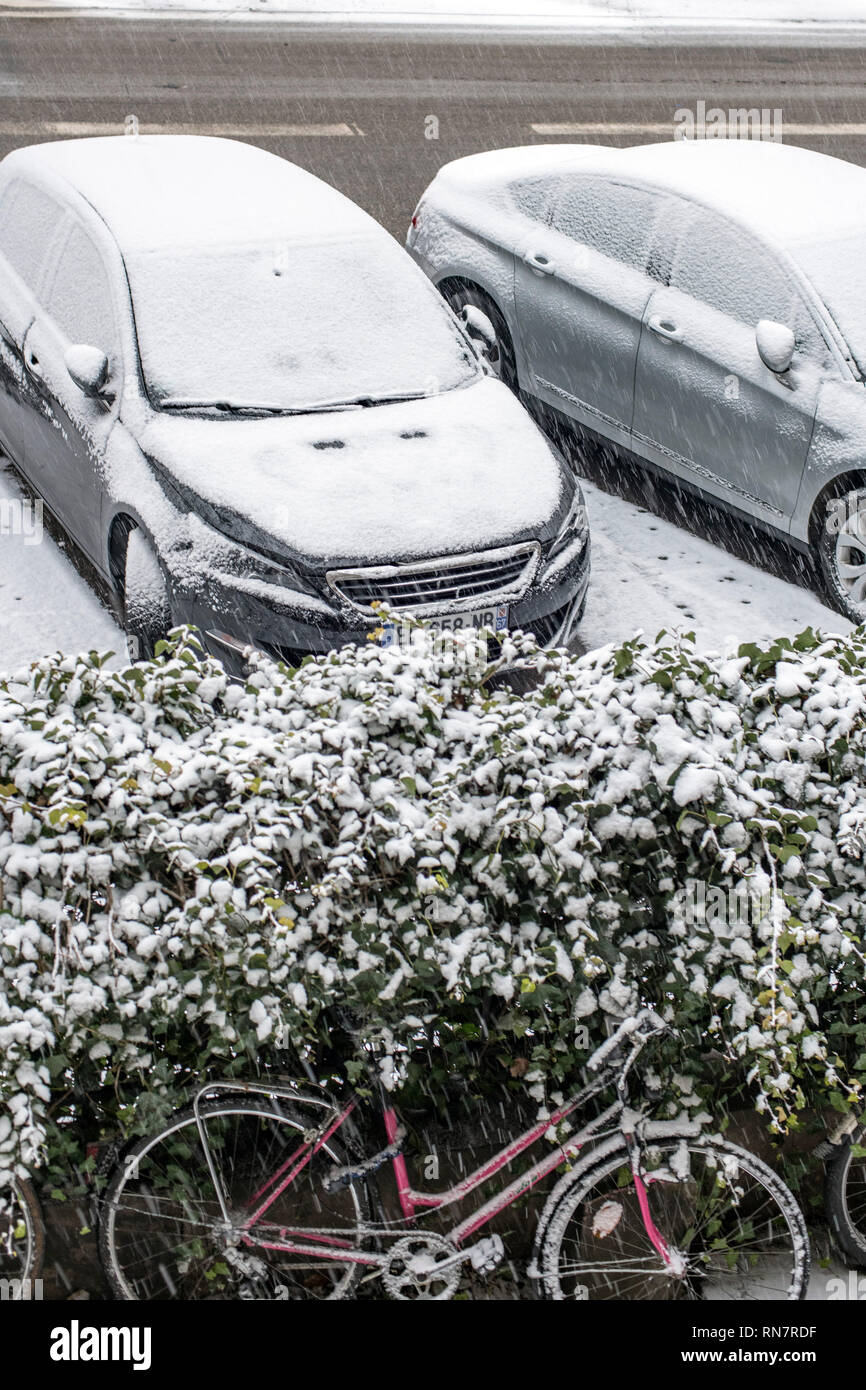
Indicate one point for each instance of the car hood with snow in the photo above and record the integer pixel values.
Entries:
(435, 476)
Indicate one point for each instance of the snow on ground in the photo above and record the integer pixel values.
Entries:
(45, 605)
(647, 573)
(605, 14)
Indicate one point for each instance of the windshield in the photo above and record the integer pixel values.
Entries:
(836, 270)
(292, 327)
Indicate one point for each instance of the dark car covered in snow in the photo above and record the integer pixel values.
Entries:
(252, 412)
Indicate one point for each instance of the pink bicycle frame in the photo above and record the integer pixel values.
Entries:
(339, 1246)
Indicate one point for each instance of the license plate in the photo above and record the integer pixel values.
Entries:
(400, 634)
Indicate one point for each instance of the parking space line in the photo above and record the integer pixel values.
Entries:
(667, 127)
(271, 130)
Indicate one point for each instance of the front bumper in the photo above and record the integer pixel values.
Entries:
(292, 627)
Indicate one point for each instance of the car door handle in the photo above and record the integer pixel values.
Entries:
(665, 328)
(539, 263)
(32, 362)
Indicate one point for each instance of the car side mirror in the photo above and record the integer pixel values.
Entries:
(775, 343)
(88, 367)
(481, 331)
(478, 325)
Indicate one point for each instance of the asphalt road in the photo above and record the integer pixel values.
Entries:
(356, 107)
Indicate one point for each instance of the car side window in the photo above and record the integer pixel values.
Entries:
(616, 219)
(533, 196)
(29, 220)
(725, 268)
(79, 299)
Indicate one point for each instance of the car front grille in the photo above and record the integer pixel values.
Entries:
(444, 585)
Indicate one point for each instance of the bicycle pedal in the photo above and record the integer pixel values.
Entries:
(487, 1254)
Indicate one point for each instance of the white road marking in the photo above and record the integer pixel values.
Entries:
(667, 128)
(339, 130)
(594, 27)
(271, 130)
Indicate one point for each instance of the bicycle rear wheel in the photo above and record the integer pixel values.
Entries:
(845, 1198)
(162, 1234)
(22, 1239)
(736, 1229)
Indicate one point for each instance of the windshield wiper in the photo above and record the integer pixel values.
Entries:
(318, 408)
(386, 400)
(230, 407)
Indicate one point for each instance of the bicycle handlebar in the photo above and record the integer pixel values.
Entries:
(626, 1029)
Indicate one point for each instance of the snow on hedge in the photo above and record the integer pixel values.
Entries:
(192, 870)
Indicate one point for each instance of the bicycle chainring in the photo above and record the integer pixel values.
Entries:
(413, 1269)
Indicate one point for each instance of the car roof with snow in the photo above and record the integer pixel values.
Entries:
(791, 196)
(165, 191)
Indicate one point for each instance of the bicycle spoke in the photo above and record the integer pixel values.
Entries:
(167, 1235)
(725, 1220)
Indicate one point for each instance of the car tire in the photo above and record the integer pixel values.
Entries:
(841, 551)
(501, 358)
(146, 607)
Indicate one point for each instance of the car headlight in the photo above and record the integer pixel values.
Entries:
(213, 531)
(575, 527)
(235, 561)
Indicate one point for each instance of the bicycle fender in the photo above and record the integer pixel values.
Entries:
(285, 1089)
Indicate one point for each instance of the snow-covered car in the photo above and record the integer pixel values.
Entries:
(699, 304)
(253, 413)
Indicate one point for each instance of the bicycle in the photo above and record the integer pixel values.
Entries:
(22, 1240)
(259, 1190)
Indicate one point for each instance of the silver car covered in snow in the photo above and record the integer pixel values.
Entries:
(253, 413)
(699, 305)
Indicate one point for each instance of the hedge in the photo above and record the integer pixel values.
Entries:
(195, 872)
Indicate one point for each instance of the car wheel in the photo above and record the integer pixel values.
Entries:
(842, 554)
(486, 325)
(146, 608)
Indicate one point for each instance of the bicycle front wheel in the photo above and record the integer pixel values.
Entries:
(162, 1232)
(734, 1229)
